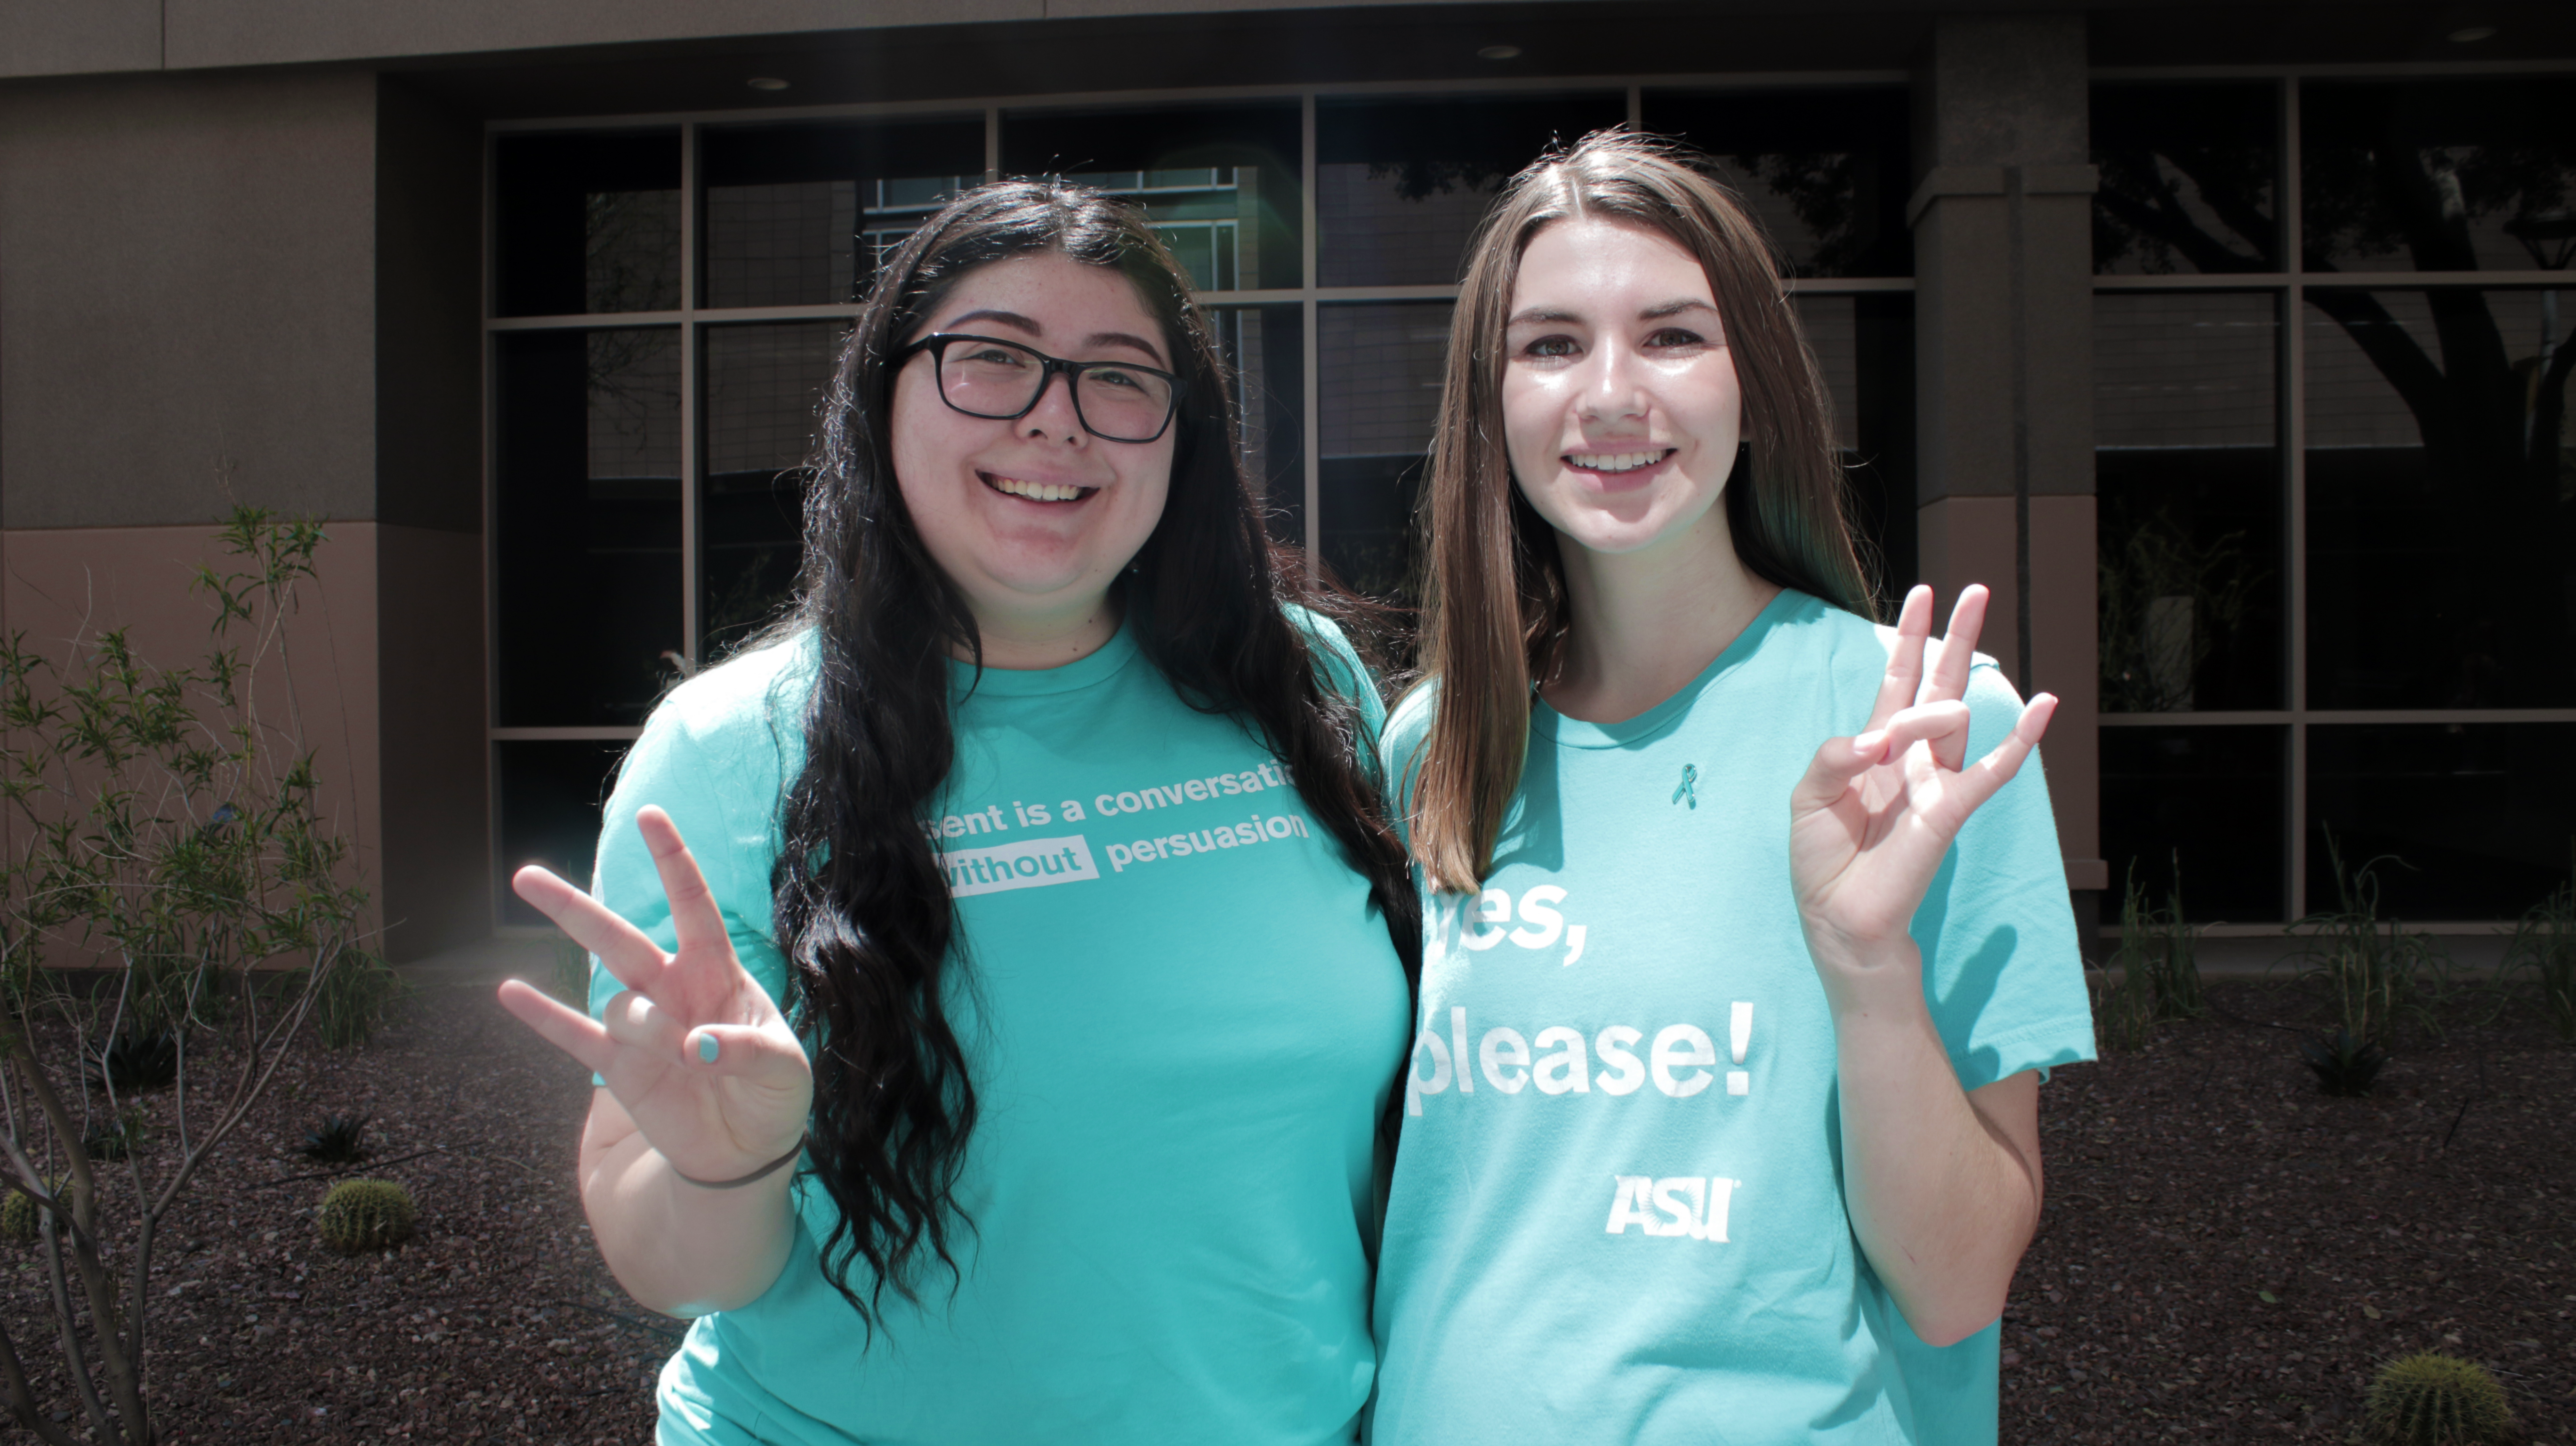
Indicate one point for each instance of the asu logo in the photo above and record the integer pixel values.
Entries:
(1683, 1206)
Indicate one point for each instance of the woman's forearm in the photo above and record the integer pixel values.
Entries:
(678, 1248)
(1943, 1185)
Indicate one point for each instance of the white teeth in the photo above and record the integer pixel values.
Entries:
(1615, 461)
(1036, 491)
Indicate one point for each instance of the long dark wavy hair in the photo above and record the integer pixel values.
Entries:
(862, 910)
(1497, 611)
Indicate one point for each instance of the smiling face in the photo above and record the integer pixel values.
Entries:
(1032, 519)
(1621, 408)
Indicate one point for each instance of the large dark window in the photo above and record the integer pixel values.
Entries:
(2454, 175)
(586, 513)
(1400, 185)
(587, 223)
(799, 215)
(2189, 177)
(2468, 820)
(2441, 500)
(1825, 172)
(1221, 182)
(2205, 809)
(660, 353)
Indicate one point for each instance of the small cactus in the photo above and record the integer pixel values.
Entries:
(365, 1215)
(21, 1217)
(2430, 1399)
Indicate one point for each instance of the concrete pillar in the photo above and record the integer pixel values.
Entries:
(2002, 218)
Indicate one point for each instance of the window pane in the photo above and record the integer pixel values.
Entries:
(586, 512)
(1380, 369)
(2216, 801)
(1400, 184)
(2190, 493)
(1265, 351)
(1220, 181)
(1826, 172)
(551, 796)
(2482, 814)
(2441, 555)
(1865, 346)
(2188, 173)
(764, 384)
(2449, 175)
(800, 215)
(587, 223)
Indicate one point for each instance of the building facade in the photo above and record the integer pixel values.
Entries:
(2224, 344)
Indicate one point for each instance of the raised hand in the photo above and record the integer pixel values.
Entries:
(694, 1050)
(1875, 814)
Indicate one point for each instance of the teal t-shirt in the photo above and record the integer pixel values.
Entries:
(1182, 1015)
(1617, 1211)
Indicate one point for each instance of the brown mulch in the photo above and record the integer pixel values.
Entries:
(2225, 1256)
(2227, 1253)
(496, 1323)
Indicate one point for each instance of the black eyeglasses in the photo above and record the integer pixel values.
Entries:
(1001, 381)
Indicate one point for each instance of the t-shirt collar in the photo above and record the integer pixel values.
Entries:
(1098, 667)
(1787, 607)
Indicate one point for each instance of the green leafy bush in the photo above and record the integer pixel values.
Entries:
(2159, 973)
(2373, 973)
(2344, 1065)
(365, 1215)
(167, 839)
(2544, 944)
(337, 1140)
(2430, 1399)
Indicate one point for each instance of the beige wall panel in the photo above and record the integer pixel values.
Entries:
(75, 37)
(189, 287)
(1970, 540)
(61, 586)
(437, 876)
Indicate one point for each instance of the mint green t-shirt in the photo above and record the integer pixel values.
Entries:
(1617, 1212)
(1182, 1016)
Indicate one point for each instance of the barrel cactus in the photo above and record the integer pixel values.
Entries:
(2430, 1399)
(365, 1215)
(21, 1218)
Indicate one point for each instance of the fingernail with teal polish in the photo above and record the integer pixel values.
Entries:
(708, 1048)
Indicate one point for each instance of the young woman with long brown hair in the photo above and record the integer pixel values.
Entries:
(1746, 930)
(1009, 1061)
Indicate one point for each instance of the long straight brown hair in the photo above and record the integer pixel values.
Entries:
(1495, 606)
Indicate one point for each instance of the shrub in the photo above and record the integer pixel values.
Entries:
(355, 998)
(133, 1060)
(337, 1141)
(2544, 942)
(2344, 1065)
(571, 981)
(2430, 1399)
(365, 1215)
(2373, 972)
(2159, 973)
(166, 838)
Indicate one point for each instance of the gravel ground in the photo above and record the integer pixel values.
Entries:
(2225, 1256)
(2228, 1253)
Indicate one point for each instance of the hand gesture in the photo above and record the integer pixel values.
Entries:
(1875, 815)
(693, 1050)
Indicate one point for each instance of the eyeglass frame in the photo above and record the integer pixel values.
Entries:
(937, 345)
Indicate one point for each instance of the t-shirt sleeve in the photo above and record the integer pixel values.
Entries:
(718, 777)
(1338, 667)
(2001, 966)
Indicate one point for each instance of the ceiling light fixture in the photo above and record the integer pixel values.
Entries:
(766, 82)
(2472, 34)
(1499, 52)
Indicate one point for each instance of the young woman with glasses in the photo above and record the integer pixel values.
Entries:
(1005, 1054)
(1746, 933)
